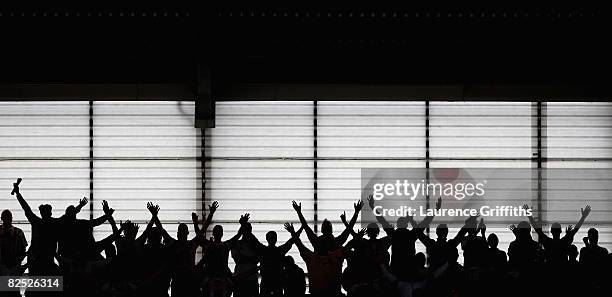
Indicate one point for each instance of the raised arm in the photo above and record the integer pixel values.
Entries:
(296, 239)
(340, 240)
(471, 222)
(584, 214)
(345, 222)
(99, 246)
(109, 213)
(380, 219)
(98, 221)
(82, 203)
(424, 238)
(154, 210)
(211, 211)
(285, 247)
(243, 220)
(428, 219)
(196, 228)
(536, 226)
(158, 224)
(312, 237)
(482, 228)
(24, 205)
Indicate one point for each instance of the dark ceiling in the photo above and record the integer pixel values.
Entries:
(364, 45)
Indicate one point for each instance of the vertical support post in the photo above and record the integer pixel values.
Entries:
(427, 198)
(91, 162)
(203, 170)
(315, 174)
(541, 157)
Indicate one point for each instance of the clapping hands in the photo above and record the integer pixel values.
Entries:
(153, 209)
(107, 210)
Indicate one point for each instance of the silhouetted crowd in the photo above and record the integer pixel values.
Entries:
(127, 263)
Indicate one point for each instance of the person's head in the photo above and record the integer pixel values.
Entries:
(572, 252)
(45, 211)
(402, 223)
(326, 227)
(372, 230)
(289, 261)
(218, 232)
(524, 230)
(155, 236)
(247, 228)
(271, 238)
(555, 230)
(593, 236)
(442, 231)
(471, 226)
(7, 218)
(71, 212)
(130, 230)
(492, 240)
(182, 232)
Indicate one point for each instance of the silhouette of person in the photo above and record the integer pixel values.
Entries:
(497, 259)
(12, 249)
(441, 249)
(363, 272)
(245, 255)
(217, 275)
(12, 244)
(327, 242)
(593, 258)
(555, 248)
(324, 267)
(271, 259)
(403, 240)
(85, 275)
(523, 251)
(294, 279)
(182, 255)
(155, 260)
(475, 247)
(76, 238)
(43, 246)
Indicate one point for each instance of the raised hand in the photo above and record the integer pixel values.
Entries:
(16, 187)
(585, 212)
(439, 203)
(213, 207)
(358, 206)
(289, 227)
(360, 233)
(371, 201)
(194, 217)
(472, 221)
(244, 218)
(525, 207)
(153, 209)
(482, 227)
(296, 206)
(343, 218)
(569, 229)
(513, 229)
(107, 210)
(585, 240)
(83, 201)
